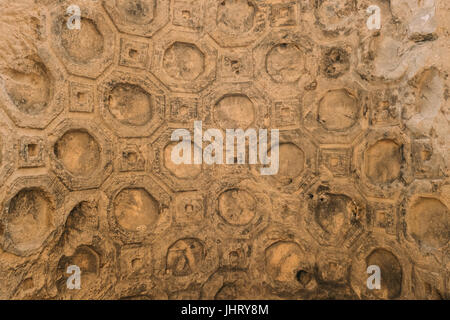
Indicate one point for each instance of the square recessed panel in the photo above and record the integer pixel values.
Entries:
(81, 97)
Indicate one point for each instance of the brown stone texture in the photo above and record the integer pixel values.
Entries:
(86, 177)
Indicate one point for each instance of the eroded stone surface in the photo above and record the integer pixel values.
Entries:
(338, 110)
(136, 209)
(86, 170)
(390, 266)
(29, 220)
(29, 85)
(234, 111)
(428, 222)
(237, 207)
(383, 161)
(82, 45)
(78, 151)
(130, 104)
(183, 61)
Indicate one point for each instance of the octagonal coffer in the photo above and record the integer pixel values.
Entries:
(33, 209)
(33, 90)
(132, 105)
(138, 17)
(184, 61)
(86, 51)
(80, 154)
